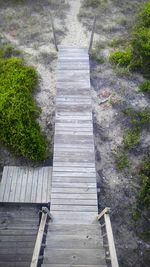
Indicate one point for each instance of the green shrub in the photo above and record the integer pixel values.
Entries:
(122, 160)
(8, 50)
(117, 42)
(19, 129)
(144, 195)
(121, 58)
(144, 15)
(141, 49)
(139, 58)
(131, 138)
(145, 87)
(138, 119)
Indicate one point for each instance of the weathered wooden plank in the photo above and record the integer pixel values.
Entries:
(62, 90)
(72, 202)
(15, 264)
(8, 184)
(34, 186)
(74, 208)
(19, 185)
(78, 85)
(68, 265)
(75, 217)
(77, 164)
(73, 108)
(37, 248)
(24, 184)
(74, 190)
(74, 185)
(73, 117)
(3, 183)
(13, 184)
(74, 241)
(73, 169)
(73, 196)
(73, 132)
(77, 256)
(29, 185)
(39, 186)
(69, 229)
(78, 66)
(76, 114)
(74, 179)
(49, 184)
(23, 232)
(74, 174)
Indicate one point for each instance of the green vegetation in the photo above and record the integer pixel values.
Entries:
(131, 138)
(142, 211)
(122, 160)
(144, 196)
(138, 120)
(117, 42)
(145, 87)
(137, 55)
(96, 53)
(121, 58)
(18, 110)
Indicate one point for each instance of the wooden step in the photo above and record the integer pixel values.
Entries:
(74, 256)
(74, 241)
(15, 264)
(67, 229)
(68, 265)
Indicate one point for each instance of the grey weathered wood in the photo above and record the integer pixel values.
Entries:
(74, 241)
(72, 202)
(74, 236)
(77, 256)
(38, 243)
(74, 180)
(74, 190)
(24, 185)
(112, 250)
(68, 265)
(74, 185)
(74, 208)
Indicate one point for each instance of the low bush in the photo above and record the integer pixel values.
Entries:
(18, 111)
(8, 50)
(138, 119)
(141, 49)
(122, 160)
(121, 58)
(138, 57)
(131, 138)
(144, 195)
(145, 87)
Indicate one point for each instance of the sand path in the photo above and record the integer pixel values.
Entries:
(76, 35)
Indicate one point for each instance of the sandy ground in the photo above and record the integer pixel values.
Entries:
(77, 35)
(28, 27)
(112, 92)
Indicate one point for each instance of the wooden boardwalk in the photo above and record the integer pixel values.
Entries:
(74, 235)
(25, 185)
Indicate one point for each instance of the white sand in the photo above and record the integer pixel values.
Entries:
(76, 35)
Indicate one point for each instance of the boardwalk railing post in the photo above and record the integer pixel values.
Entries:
(92, 34)
(53, 30)
(111, 252)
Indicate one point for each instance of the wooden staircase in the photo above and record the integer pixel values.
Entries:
(18, 231)
(74, 235)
